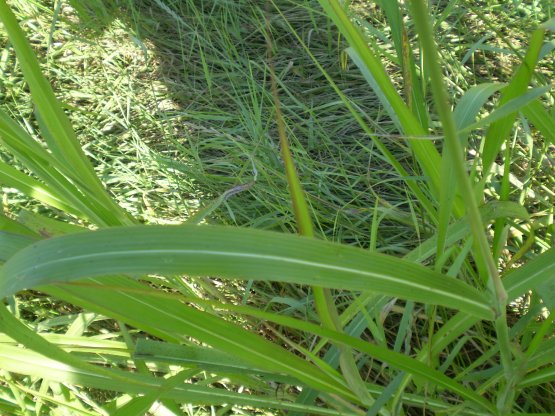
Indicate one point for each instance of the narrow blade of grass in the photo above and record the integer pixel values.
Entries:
(58, 132)
(544, 122)
(507, 109)
(13, 178)
(170, 319)
(498, 131)
(31, 363)
(532, 274)
(325, 305)
(425, 152)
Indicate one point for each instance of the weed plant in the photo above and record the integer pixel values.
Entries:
(159, 160)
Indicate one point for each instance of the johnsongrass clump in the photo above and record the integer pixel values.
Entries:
(307, 208)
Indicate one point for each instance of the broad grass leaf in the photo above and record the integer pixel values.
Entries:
(11, 226)
(232, 253)
(11, 243)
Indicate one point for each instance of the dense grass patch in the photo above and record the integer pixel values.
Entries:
(421, 179)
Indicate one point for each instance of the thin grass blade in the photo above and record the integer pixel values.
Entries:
(498, 131)
(541, 119)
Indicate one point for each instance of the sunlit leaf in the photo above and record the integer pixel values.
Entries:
(232, 253)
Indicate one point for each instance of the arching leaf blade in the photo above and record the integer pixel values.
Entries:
(168, 318)
(27, 362)
(233, 253)
(126, 300)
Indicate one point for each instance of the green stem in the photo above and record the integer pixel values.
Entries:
(325, 305)
(497, 291)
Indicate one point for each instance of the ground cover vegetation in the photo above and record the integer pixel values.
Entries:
(160, 157)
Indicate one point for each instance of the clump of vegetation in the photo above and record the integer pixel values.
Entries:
(160, 158)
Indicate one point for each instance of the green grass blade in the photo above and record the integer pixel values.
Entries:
(126, 299)
(233, 253)
(545, 375)
(168, 318)
(208, 359)
(412, 88)
(425, 152)
(50, 171)
(30, 363)
(532, 274)
(464, 115)
(424, 28)
(63, 144)
(509, 108)
(498, 131)
(541, 119)
(460, 229)
(545, 354)
(46, 227)
(65, 147)
(399, 168)
(323, 299)
(497, 292)
(300, 207)
(15, 329)
(13, 178)
(15, 227)
(537, 271)
(11, 243)
(399, 360)
(472, 101)
(142, 404)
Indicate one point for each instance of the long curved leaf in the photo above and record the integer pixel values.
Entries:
(127, 301)
(55, 124)
(12, 177)
(374, 71)
(542, 120)
(232, 253)
(27, 362)
(183, 322)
